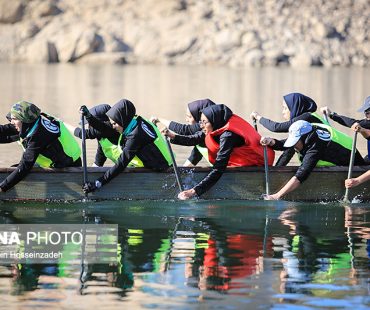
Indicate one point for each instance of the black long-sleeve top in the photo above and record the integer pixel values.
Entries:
(45, 142)
(227, 140)
(92, 133)
(287, 155)
(348, 122)
(184, 129)
(316, 149)
(139, 142)
(8, 133)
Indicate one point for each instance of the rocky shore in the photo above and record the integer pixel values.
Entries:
(238, 33)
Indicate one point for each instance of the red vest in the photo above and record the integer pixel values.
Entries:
(249, 154)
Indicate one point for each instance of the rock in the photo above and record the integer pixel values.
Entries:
(227, 39)
(105, 58)
(11, 11)
(251, 40)
(177, 47)
(41, 51)
(301, 60)
(48, 8)
(253, 58)
(88, 42)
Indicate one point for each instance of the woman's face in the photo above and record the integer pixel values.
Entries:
(16, 123)
(286, 111)
(189, 118)
(205, 124)
(367, 114)
(116, 126)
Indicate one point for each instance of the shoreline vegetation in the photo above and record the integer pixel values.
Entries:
(210, 32)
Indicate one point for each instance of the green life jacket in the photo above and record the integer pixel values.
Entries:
(204, 152)
(113, 152)
(69, 144)
(335, 136)
(319, 117)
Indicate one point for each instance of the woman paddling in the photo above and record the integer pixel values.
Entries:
(192, 117)
(231, 142)
(296, 106)
(44, 139)
(137, 138)
(360, 125)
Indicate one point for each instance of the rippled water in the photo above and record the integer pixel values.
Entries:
(203, 254)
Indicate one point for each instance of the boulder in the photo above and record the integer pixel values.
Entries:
(11, 11)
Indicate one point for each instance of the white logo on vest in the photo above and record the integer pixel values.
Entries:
(49, 126)
(323, 135)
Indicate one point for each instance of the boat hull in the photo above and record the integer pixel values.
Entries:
(324, 184)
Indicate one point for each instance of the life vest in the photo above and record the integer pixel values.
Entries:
(320, 118)
(335, 136)
(113, 152)
(249, 154)
(69, 144)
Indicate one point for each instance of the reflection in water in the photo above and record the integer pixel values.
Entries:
(294, 254)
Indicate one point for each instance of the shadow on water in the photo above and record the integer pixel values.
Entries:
(216, 253)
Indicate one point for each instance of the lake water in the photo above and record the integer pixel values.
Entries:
(199, 254)
(203, 255)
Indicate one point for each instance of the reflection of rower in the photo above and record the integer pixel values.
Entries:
(226, 257)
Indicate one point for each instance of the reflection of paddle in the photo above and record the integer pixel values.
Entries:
(351, 162)
(265, 160)
(326, 117)
(177, 174)
(84, 165)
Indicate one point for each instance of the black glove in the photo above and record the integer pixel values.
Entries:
(85, 111)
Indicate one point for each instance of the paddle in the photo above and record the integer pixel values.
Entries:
(84, 165)
(326, 117)
(351, 162)
(177, 174)
(265, 160)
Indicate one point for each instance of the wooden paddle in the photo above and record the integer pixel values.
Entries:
(351, 162)
(84, 165)
(265, 160)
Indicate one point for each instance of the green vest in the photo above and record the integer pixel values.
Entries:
(113, 152)
(319, 117)
(69, 144)
(336, 136)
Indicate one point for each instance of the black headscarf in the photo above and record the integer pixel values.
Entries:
(122, 112)
(299, 104)
(99, 111)
(196, 107)
(218, 115)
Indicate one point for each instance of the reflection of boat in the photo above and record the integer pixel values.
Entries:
(324, 184)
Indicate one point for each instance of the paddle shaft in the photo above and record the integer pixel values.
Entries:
(177, 174)
(84, 165)
(326, 118)
(265, 160)
(351, 162)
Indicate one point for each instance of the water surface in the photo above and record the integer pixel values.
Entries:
(203, 254)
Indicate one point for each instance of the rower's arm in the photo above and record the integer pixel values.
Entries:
(290, 186)
(8, 133)
(227, 143)
(195, 139)
(35, 146)
(184, 129)
(343, 120)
